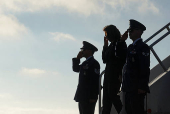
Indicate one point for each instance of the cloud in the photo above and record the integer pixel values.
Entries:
(58, 36)
(85, 7)
(32, 71)
(36, 73)
(5, 96)
(148, 6)
(11, 28)
(20, 110)
(142, 6)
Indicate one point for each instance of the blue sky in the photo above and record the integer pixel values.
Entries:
(38, 40)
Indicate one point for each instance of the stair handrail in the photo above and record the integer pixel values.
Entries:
(100, 88)
(166, 26)
(157, 41)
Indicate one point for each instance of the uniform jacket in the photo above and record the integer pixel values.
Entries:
(137, 68)
(88, 85)
(114, 56)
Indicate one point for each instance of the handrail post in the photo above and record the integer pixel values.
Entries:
(156, 56)
(100, 78)
(161, 38)
(158, 40)
(168, 28)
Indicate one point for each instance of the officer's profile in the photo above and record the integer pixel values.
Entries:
(137, 70)
(87, 48)
(88, 84)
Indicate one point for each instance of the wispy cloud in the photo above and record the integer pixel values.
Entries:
(148, 6)
(5, 96)
(11, 28)
(85, 7)
(32, 71)
(20, 110)
(37, 73)
(58, 36)
(142, 6)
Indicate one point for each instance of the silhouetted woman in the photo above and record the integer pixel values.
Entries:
(114, 56)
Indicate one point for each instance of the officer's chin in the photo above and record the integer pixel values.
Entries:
(130, 36)
(83, 55)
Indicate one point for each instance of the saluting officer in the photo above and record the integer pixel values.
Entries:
(137, 69)
(88, 85)
(114, 56)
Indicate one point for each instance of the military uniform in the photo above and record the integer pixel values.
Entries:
(88, 85)
(136, 73)
(114, 56)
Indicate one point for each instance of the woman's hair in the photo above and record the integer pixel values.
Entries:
(112, 32)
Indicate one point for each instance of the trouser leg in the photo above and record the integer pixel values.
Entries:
(107, 104)
(110, 97)
(86, 107)
(134, 103)
(80, 108)
(113, 91)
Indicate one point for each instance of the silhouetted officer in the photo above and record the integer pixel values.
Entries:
(88, 85)
(114, 56)
(137, 69)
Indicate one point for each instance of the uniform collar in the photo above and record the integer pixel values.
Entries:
(89, 58)
(136, 40)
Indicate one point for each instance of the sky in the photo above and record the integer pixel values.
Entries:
(38, 40)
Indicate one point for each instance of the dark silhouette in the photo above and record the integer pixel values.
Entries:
(88, 85)
(114, 56)
(136, 71)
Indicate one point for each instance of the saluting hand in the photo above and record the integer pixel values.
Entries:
(124, 36)
(80, 55)
(105, 41)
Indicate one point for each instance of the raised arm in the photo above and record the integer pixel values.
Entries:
(76, 62)
(104, 49)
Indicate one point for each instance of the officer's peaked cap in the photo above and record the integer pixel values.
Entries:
(133, 24)
(89, 46)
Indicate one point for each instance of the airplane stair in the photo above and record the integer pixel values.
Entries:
(158, 100)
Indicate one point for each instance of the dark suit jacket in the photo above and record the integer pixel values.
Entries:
(88, 85)
(114, 56)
